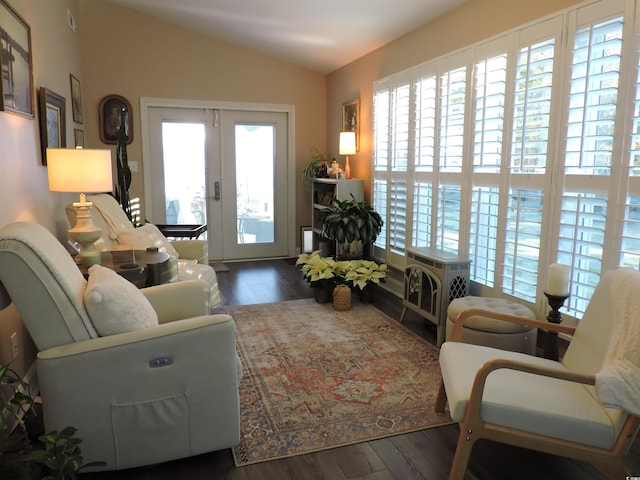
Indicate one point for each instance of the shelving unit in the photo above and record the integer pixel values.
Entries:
(324, 190)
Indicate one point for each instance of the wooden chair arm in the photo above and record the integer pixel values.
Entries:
(465, 314)
(477, 391)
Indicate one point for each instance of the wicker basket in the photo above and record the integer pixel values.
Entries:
(342, 297)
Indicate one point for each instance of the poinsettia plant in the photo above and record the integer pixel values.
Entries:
(326, 272)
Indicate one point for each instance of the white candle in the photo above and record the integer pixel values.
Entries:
(558, 281)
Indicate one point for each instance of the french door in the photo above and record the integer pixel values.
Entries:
(226, 168)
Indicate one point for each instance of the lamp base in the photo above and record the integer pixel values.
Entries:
(86, 233)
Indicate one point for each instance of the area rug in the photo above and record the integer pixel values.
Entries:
(316, 378)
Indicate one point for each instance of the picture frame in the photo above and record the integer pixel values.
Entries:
(109, 116)
(78, 137)
(52, 112)
(76, 99)
(351, 119)
(16, 87)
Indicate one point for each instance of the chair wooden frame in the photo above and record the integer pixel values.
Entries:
(472, 427)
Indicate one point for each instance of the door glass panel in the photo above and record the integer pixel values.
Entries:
(183, 146)
(254, 146)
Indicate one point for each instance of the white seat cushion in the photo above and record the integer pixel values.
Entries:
(543, 405)
(115, 305)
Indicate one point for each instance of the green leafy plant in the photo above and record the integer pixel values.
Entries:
(318, 157)
(349, 222)
(55, 456)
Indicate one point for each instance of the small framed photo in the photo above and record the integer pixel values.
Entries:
(351, 119)
(16, 86)
(76, 99)
(53, 131)
(78, 137)
(110, 109)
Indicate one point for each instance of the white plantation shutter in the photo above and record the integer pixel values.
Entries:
(521, 151)
(483, 236)
(452, 118)
(490, 93)
(522, 243)
(531, 107)
(591, 117)
(448, 218)
(422, 214)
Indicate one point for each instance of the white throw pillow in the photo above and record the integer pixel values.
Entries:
(135, 239)
(115, 305)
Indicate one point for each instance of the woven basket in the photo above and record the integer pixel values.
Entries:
(342, 297)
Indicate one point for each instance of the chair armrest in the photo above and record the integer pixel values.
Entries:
(477, 391)
(464, 315)
(178, 300)
(192, 250)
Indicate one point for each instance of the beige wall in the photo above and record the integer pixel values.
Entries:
(474, 21)
(24, 193)
(134, 55)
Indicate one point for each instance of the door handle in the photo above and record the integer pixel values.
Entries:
(216, 191)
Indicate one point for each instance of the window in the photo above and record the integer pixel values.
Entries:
(510, 151)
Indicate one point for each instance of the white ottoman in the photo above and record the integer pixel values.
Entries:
(481, 330)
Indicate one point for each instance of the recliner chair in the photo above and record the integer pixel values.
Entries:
(139, 397)
(188, 258)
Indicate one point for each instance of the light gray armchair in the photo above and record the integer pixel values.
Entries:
(585, 407)
(188, 258)
(140, 397)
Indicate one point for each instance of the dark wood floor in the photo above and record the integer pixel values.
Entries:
(421, 455)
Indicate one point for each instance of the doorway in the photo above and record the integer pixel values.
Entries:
(228, 168)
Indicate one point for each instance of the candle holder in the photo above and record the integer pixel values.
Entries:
(551, 345)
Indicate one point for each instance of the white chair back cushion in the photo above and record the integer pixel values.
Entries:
(45, 285)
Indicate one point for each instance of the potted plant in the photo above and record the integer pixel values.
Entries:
(364, 276)
(317, 160)
(352, 224)
(322, 273)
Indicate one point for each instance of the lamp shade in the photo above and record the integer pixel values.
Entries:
(347, 143)
(79, 170)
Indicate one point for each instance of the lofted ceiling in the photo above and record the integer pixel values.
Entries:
(322, 35)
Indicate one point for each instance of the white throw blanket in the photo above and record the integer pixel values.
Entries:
(618, 382)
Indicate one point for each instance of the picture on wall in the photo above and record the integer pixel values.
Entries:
(109, 111)
(16, 88)
(351, 119)
(52, 112)
(76, 99)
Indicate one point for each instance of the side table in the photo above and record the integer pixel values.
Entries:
(143, 268)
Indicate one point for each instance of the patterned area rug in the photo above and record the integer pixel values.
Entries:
(315, 378)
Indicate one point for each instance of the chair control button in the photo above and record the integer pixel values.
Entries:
(160, 362)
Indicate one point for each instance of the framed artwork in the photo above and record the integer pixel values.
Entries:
(16, 88)
(78, 137)
(53, 132)
(109, 111)
(76, 99)
(351, 119)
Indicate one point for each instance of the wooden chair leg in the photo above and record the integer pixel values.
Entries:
(441, 399)
(462, 455)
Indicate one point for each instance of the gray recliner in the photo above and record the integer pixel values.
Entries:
(136, 398)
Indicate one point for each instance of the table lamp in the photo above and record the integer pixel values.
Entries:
(347, 147)
(81, 171)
